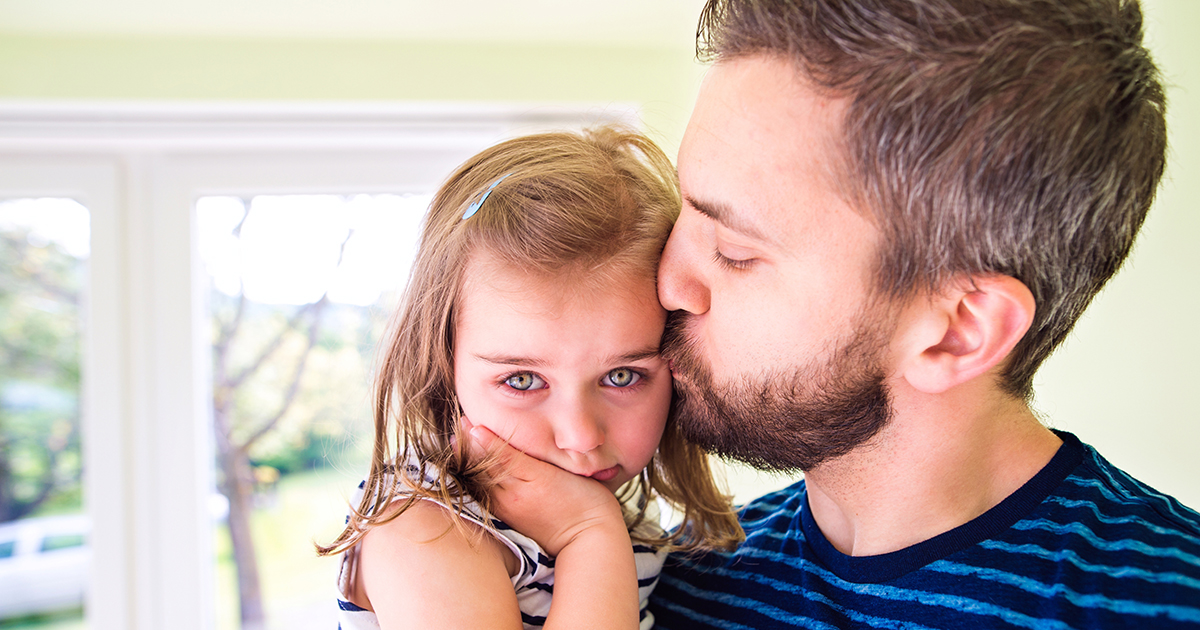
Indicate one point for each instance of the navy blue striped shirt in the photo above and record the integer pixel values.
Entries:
(1081, 545)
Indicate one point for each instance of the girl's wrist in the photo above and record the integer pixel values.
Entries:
(604, 527)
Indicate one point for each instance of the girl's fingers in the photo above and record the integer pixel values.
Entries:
(484, 443)
(503, 462)
(480, 442)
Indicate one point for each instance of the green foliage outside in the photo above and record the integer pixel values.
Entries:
(40, 331)
(62, 620)
(291, 384)
(41, 321)
(333, 398)
(298, 586)
(297, 401)
(293, 433)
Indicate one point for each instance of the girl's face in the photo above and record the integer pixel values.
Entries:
(572, 378)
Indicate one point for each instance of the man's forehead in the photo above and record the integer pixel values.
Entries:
(761, 139)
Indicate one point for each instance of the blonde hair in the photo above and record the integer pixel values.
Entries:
(590, 208)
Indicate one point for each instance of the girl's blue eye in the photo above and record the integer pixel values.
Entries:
(621, 377)
(525, 381)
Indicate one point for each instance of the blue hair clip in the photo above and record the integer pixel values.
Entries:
(474, 207)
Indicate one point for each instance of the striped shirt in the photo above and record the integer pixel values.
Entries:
(533, 582)
(1080, 545)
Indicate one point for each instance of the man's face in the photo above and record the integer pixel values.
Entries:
(778, 353)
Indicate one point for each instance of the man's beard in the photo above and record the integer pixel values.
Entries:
(779, 420)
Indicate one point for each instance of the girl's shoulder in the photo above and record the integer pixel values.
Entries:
(419, 552)
(429, 529)
(419, 518)
(423, 558)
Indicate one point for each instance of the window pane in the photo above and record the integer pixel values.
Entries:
(62, 541)
(43, 258)
(302, 287)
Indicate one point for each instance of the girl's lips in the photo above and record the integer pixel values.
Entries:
(606, 474)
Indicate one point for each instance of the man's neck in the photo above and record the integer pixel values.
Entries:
(941, 462)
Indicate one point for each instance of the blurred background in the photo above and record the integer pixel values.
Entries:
(207, 210)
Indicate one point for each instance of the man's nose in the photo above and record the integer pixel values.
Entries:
(680, 285)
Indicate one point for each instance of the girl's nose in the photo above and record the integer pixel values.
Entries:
(680, 286)
(580, 429)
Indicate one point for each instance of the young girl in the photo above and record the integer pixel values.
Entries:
(532, 313)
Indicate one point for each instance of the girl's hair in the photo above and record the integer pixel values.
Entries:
(591, 209)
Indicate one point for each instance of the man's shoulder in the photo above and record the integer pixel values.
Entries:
(1100, 516)
(774, 508)
(1093, 547)
(1103, 549)
(772, 523)
(1097, 492)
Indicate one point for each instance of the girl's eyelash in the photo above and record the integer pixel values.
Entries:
(643, 378)
(503, 382)
(730, 263)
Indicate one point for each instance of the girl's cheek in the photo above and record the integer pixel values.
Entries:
(643, 438)
(500, 421)
(479, 409)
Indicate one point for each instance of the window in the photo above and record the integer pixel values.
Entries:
(154, 181)
(44, 245)
(62, 541)
(301, 289)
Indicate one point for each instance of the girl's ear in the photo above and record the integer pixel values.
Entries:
(963, 331)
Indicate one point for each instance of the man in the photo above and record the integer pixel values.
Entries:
(894, 211)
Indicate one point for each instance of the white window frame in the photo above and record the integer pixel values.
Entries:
(93, 180)
(146, 409)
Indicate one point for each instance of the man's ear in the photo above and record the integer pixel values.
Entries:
(963, 331)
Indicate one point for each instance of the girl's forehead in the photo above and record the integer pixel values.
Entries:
(557, 289)
(556, 321)
(527, 320)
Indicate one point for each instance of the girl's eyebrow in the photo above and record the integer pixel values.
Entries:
(649, 352)
(512, 360)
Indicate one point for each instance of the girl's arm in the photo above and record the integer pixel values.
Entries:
(420, 571)
(578, 521)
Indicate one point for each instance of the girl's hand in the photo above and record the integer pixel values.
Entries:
(576, 520)
(542, 501)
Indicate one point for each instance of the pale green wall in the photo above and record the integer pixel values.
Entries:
(661, 79)
(1127, 381)
(1123, 382)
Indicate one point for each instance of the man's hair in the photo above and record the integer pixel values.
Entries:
(1016, 137)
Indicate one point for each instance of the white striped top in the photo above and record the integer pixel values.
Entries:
(533, 582)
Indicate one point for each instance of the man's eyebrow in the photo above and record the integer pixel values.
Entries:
(724, 215)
